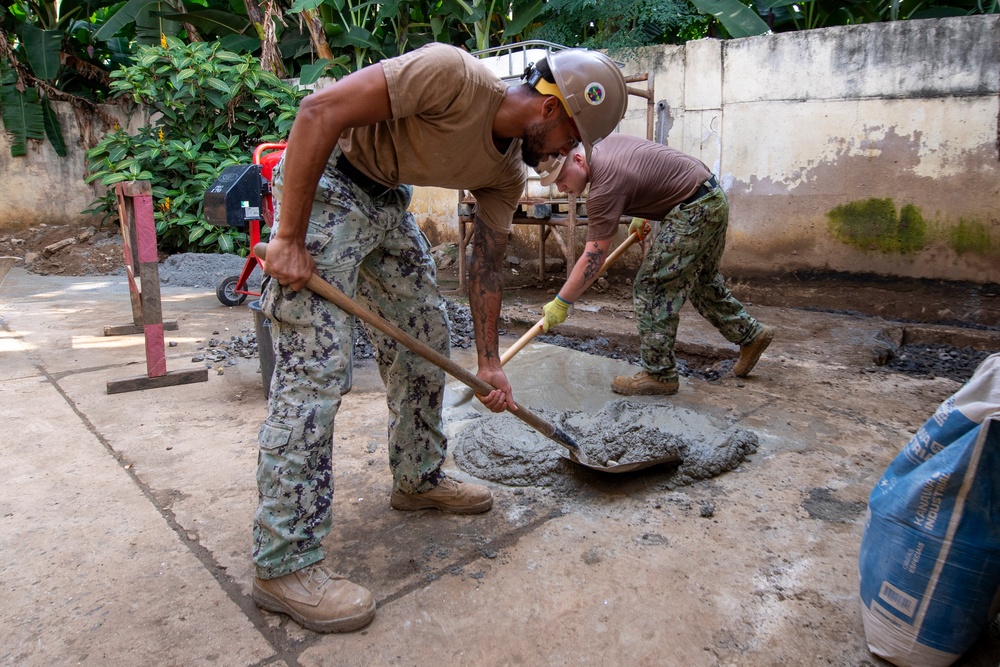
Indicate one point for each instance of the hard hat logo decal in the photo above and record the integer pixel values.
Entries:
(595, 93)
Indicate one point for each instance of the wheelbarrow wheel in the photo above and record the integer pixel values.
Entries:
(226, 291)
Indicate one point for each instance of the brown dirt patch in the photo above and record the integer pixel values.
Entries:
(67, 250)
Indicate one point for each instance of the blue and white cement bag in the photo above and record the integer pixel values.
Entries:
(930, 554)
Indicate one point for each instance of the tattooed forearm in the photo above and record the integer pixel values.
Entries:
(487, 256)
(486, 288)
(594, 261)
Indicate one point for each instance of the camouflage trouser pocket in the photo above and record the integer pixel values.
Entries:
(281, 304)
(272, 461)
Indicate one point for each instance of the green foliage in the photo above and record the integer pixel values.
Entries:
(211, 107)
(788, 15)
(619, 25)
(737, 19)
(50, 55)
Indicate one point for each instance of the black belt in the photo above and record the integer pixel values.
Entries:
(703, 189)
(371, 187)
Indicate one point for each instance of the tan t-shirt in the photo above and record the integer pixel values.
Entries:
(640, 178)
(441, 132)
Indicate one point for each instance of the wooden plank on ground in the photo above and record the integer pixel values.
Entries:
(170, 379)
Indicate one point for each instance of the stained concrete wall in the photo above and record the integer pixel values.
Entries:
(904, 111)
(870, 149)
(43, 188)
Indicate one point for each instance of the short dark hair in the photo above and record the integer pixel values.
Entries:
(542, 69)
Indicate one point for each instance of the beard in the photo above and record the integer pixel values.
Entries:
(533, 141)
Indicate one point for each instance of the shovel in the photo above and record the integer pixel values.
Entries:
(537, 328)
(346, 303)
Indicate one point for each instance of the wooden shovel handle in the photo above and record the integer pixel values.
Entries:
(346, 303)
(540, 325)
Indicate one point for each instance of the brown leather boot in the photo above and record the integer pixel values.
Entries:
(643, 384)
(318, 599)
(450, 495)
(750, 353)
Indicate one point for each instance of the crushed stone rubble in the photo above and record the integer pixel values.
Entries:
(933, 360)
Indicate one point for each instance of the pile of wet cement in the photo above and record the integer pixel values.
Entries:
(503, 449)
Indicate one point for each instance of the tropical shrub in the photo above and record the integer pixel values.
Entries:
(206, 109)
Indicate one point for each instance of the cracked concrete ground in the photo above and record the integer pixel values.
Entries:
(126, 517)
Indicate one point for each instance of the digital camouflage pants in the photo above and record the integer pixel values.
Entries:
(683, 263)
(373, 251)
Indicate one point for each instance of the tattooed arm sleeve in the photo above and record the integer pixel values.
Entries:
(486, 290)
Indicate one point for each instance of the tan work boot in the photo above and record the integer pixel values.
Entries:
(750, 353)
(450, 495)
(643, 384)
(318, 599)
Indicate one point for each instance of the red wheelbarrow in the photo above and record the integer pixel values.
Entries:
(241, 197)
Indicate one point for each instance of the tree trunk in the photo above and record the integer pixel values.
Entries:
(316, 34)
(263, 23)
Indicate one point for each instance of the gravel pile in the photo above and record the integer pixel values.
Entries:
(954, 363)
(206, 270)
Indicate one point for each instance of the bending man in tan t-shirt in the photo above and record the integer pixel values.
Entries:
(437, 117)
(634, 177)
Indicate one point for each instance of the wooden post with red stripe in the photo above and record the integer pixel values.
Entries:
(135, 210)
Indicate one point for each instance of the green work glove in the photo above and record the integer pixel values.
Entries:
(555, 312)
(639, 227)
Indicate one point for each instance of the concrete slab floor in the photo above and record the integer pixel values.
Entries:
(126, 518)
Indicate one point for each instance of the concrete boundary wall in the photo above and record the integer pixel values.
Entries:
(860, 149)
(865, 149)
(43, 188)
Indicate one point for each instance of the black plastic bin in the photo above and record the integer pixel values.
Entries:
(265, 348)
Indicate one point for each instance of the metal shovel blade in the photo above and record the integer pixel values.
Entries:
(624, 467)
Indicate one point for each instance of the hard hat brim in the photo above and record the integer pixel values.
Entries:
(549, 170)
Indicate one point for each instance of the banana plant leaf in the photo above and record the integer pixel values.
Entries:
(212, 21)
(310, 73)
(355, 36)
(22, 117)
(240, 43)
(123, 17)
(303, 5)
(53, 128)
(42, 47)
(150, 25)
(523, 16)
(738, 19)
